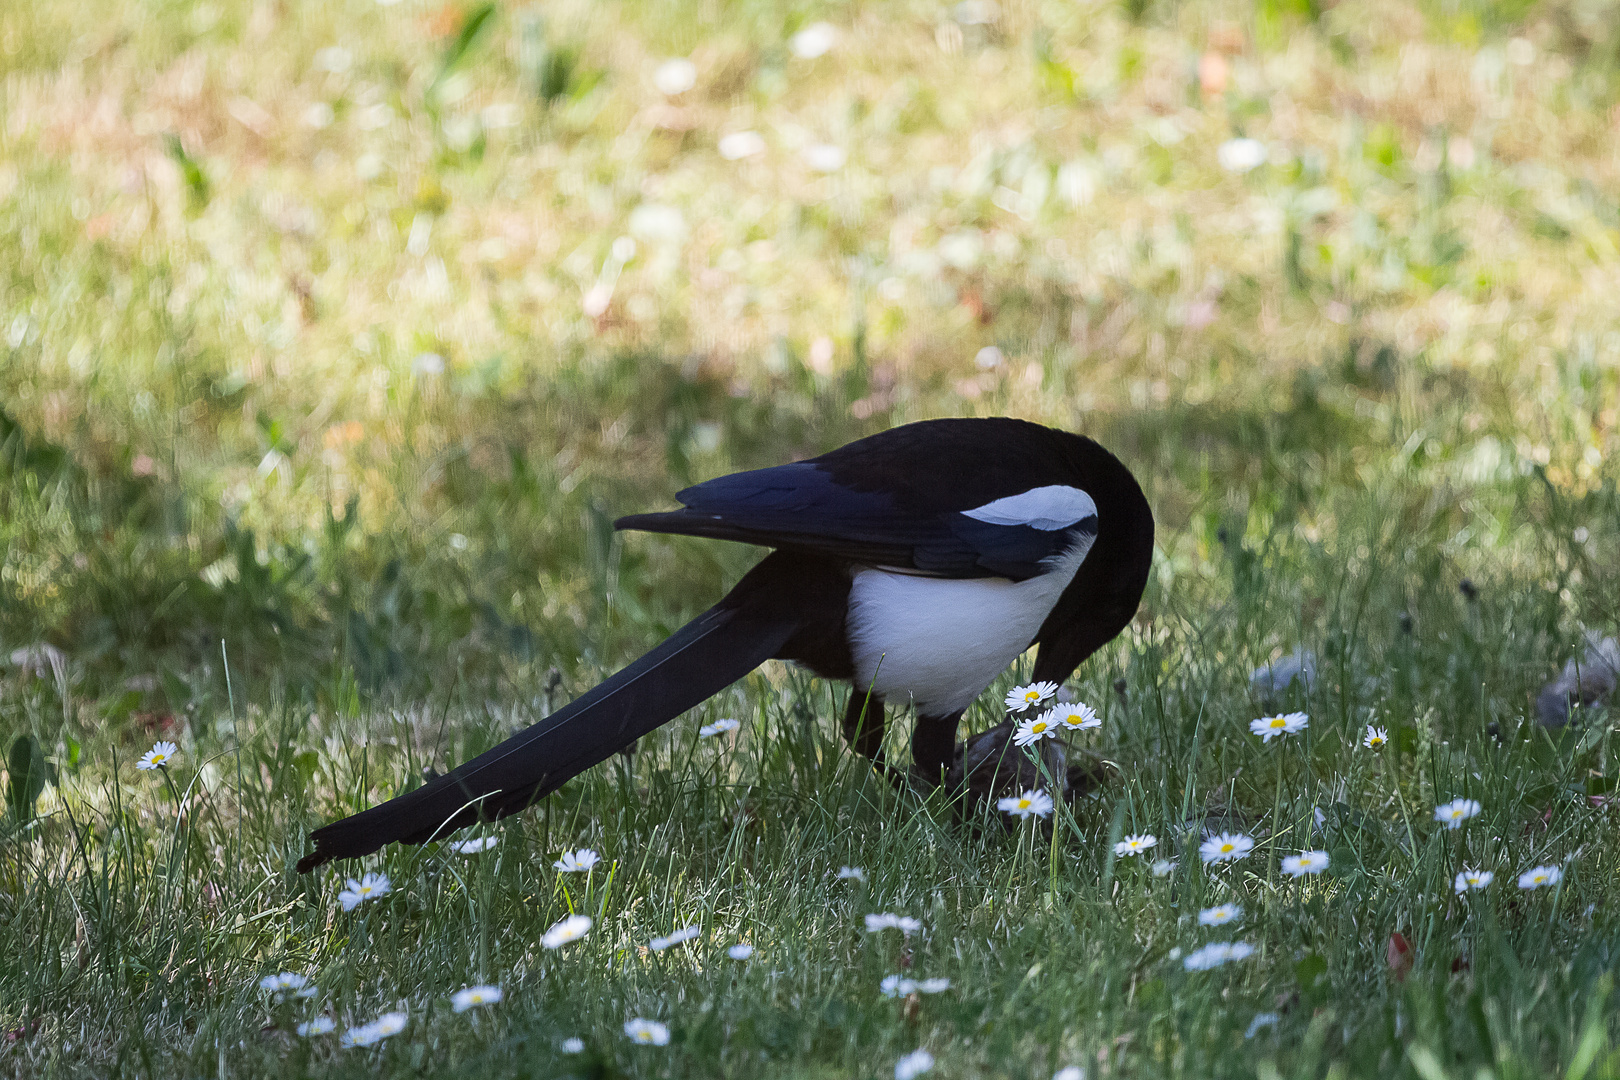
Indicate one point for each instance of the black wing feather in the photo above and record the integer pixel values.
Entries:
(805, 506)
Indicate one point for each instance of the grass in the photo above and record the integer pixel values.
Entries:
(310, 446)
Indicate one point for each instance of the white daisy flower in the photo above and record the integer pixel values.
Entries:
(369, 887)
(1269, 727)
(375, 1032)
(1020, 698)
(474, 846)
(288, 982)
(888, 920)
(1073, 716)
(896, 986)
(321, 1025)
(1034, 729)
(1070, 1072)
(565, 930)
(474, 996)
(647, 1032)
(679, 937)
(825, 157)
(1038, 803)
(851, 873)
(1537, 876)
(573, 1045)
(1472, 879)
(675, 77)
(1215, 954)
(1220, 915)
(1241, 155)
(933, 986)
(1375, 738)
(1260, 1021)
(1226, 846)
(741, 144)
(913, 1065)
(1306, 862)
(719, 727)
(1454, 813)
(740, 951)
(576, 862)
(815, 40)
(156, 758)
(1136, 845)
(1164, 867)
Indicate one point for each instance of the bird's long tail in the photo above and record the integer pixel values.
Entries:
(699, 660)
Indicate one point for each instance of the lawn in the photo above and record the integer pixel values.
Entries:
(334, 336)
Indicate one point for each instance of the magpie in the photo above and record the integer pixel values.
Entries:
(917, 564)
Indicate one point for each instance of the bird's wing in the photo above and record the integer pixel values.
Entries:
(938, 532)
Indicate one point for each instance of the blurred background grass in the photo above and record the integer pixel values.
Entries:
(343, 329)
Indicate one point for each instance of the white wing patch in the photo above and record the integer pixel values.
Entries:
(1049, 508)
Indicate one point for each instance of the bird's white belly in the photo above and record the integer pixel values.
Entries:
(941, 641)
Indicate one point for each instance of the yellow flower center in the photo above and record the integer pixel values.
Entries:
(1038, 727)
(1228, 847)
(1278, 721)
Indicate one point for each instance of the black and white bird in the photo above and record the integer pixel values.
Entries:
(917, 564)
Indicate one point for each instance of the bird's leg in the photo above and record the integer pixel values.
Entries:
(864, 725)
(933, 747)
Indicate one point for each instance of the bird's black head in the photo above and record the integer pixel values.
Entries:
(1105, 593)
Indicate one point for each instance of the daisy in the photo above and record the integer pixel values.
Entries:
(473, 847)
(565, 930)
(815, 40)
(679, 937)
(741, 144)
(1220, 915)
(1135, 845)
(1038, 803)
(1164, 867)
(1034, 729)
(1375, 738)
(1269, 727)
(1073, 716)
(157, 757)
(1070, 1072)
(1225, 846)
(933, 986)
(895, 986)
(740, 951)
(675, 77)
(1215, 954)
(1537, 876)
(1455, 812)
(375, 1032)
(913, 1065)
(575, 862)
(321, 1025)
(573, 1045)
(1306, 862)
(647, 1032)
(1020, 698)
(474, 996)
(718, 727)
(1472, 879)
(1241, 155)
(851, 873)
(1261, 1020)
(288, 982)
(889, 921)
(369, 887)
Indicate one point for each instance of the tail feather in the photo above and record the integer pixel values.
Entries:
(699, 660)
